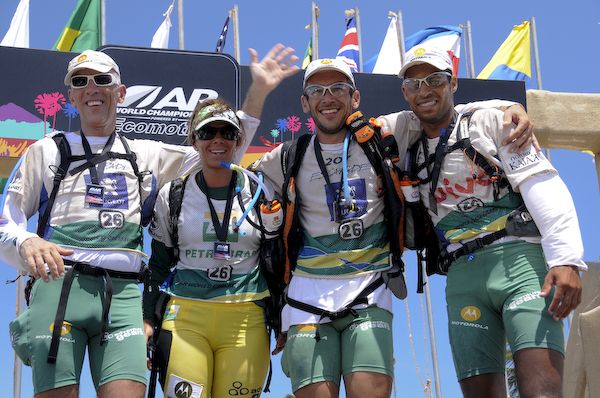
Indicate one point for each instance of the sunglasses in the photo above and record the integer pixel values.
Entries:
(336, 90)
(434, 80)
(100, 80)
(206, 133)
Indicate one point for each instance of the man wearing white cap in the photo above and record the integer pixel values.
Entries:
(338, 315)
(483, 202)
(94, 190)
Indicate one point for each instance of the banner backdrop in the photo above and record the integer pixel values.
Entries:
(163, 87)
(283, 118)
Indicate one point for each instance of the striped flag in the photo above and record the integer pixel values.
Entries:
(83, 29)
(512, 61)
(223, 37)
(444, 37)
(18, 32)
(348, 51)
(307, 55)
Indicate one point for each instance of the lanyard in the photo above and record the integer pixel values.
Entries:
(220, 229)
(439, 154)
(323, 169)
(438, 159)
(89, 155)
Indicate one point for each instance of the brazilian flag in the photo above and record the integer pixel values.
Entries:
(83, 31)
(307, 55)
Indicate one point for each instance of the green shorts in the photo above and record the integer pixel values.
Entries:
(121, 357)
(349, 344)
(495, 298)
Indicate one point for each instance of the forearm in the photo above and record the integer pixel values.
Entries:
(255, 100)
(551, 206)
(494, 103)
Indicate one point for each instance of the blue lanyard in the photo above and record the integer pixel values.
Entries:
(344, 181)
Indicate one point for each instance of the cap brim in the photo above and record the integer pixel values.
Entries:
(438, 65)
(216, 119)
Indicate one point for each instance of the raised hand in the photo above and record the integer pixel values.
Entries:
(277, 65)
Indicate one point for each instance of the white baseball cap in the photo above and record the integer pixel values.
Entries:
(211, 113)
(426, 55)
(328, 64)
(94, 60)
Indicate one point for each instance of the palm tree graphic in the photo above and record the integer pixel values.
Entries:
(274, 133)
(48, 104)
(70, 112)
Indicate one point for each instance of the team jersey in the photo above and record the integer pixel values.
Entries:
(463, 205)
(327, 252)
(201, 274)
(106, 234)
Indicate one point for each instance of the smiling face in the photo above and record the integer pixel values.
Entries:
(216, 150)
(434, 106)
(97, 106)
(328, 112)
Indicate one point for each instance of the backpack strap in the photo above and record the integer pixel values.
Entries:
(60, 173)
(176, 192)
(291, 159)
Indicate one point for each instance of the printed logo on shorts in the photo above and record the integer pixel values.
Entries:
(470, 313)
(524, 299)
(171, 312)
(179, 387)
(66, 328)
(238, 389)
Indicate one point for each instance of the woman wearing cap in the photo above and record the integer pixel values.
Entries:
(217, 342)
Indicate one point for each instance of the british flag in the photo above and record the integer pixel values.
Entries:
(348, 51)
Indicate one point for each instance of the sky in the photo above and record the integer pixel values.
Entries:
(568, 60)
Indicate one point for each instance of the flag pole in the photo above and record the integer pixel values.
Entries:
(536, 56)
(18, 365)
(434, 354)
(469, 44)
(236, 32)
(400, 32)
(358, 32)
(180, 22)
(538, 72)
(315, 30)
(103, 22)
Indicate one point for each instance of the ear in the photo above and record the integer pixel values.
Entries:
(355, 99)
(404, 94)
(454, 83)
(122, 92)
(304, 102)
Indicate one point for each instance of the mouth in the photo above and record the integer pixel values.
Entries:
(94, 103)
(427, 103)
(217, 152)
(329, 112)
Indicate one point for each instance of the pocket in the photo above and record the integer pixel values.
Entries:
(19, 337)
